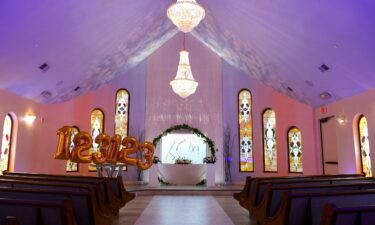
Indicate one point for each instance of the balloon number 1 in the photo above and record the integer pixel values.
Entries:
(111, 149)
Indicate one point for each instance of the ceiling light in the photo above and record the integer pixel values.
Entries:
(325, 95)
(186, 14)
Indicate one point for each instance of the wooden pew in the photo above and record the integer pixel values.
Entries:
(84, 207)
(113, 202)
(260, 186)
(10, 220)
(99, 207)
(307, 208)
(116, 184)
(245, 192)
(354, 215)
(272, 199)
(32, 212)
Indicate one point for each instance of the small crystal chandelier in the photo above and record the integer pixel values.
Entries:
(184, 84)
(186, 14)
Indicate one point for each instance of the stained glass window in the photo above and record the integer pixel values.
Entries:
(245, 121)
(97, 127)
(295, 150)
(72, 166)
(364, 146)
(6, 143)
(122, 112)
(269, 141)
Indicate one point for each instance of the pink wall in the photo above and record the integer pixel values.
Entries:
(344, 137)
(288, 113)
(202, 110)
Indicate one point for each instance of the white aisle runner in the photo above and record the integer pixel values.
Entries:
(183, 210)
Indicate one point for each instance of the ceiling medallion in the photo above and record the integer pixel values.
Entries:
(186, 14)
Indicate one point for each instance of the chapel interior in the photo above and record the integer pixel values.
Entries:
(180, 112)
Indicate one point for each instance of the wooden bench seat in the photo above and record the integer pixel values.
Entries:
(84, 207)
(307, 208)
(32, 212)
(273, 196)
(116, 184)
(102, 209)
(350, 215)
(256, 196)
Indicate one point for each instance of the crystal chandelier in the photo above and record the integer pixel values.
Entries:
(184, 83)
(186, 14)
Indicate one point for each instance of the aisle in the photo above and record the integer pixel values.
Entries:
(183, 210)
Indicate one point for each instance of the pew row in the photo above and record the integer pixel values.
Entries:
(116, 184)
(10, 220)
(245, 192)
(307, 208)
(355, 215)
(37, 212)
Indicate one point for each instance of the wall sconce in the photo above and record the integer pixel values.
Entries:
(29, 118)
(341, 119)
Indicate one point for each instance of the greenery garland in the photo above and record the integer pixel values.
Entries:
(195, 131)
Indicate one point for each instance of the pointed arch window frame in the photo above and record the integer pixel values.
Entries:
(128, 115)
(10, 150)
(66, 168)
(288, 149)
(362, 116)
(263, 141)
(239, 130)
(90, 168)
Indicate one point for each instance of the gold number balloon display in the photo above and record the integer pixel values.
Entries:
(111, 150)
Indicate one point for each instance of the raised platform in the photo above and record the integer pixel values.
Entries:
(144, 190)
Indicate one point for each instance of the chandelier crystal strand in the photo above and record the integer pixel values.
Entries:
(184, 84)
(186, 14)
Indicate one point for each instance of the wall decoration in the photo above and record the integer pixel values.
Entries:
(97, 127)
(6, 144)
(364, 144)
(295, 150)
(122, 114)
(245, 125)
(72, 166)
(269, 141)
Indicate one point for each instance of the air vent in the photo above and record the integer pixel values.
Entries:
(46, 94)
(310, 83)
(290, 89)
(325, 95)
(45, 67)
(77, 88)
(323, 68)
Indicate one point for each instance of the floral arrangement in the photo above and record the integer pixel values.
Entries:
(182, 161)
(195, 131)
(209, 159)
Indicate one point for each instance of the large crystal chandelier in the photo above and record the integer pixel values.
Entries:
(184, 83)
(186, 14)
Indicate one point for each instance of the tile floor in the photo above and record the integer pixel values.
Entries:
(183, 210)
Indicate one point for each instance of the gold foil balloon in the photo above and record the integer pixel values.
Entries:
(82, 142)
(130, 144)
(147, 149)
(113, 149)
(104, 141)
(65, 135)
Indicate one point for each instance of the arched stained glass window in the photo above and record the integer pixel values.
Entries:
(6, 144)
(97, 127)
(295, 150)
(245, 121)
(72, 166)
(364, 145)
(122, 112)
(269, 141)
